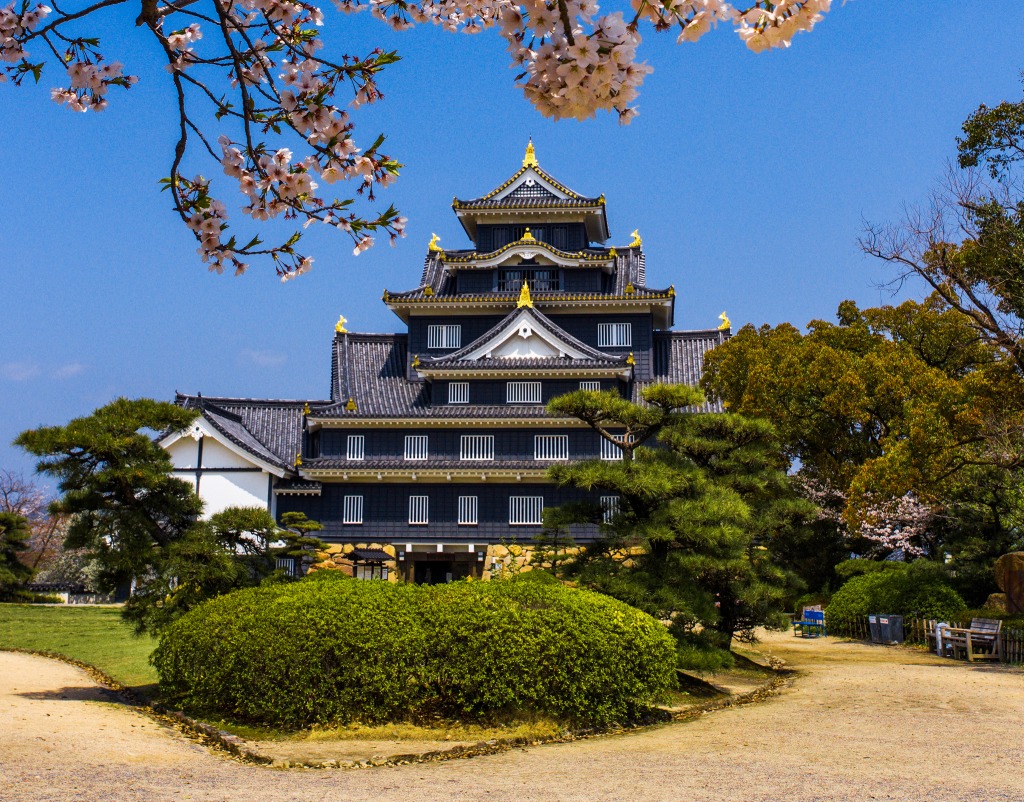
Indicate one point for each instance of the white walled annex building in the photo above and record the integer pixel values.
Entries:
(224, 461)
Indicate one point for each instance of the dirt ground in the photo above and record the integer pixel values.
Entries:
(858, 722)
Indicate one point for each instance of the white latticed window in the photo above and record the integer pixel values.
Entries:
(523, 392)
(444, 336)
(356, 449)
(458, 392)
(610, 451)
(477, 446)
(286, 564)
(551, 446)
(468, 510)
(609, 507)
(419, 509)
(525, 510)
(594, 387)
(614, 335)
(352, 510)
(416, 446)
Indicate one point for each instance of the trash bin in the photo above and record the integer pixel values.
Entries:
(876, 633)
(890, 628)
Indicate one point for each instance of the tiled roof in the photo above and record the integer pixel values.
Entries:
(593, 356)
(526, 363)
(299, 486)
(268, 429)
(679, 359)
(514, 202)
(438, 285)
(420, 295)
(489, 199)
(370, 369)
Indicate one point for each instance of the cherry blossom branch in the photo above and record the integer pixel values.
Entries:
(272, 88)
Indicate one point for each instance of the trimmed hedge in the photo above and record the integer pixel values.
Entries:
(919, 588)
(321, 651)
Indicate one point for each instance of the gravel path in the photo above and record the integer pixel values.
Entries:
(859, 723)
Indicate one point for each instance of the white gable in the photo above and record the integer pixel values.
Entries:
(531, 178)
(216, 445)
(524, 337)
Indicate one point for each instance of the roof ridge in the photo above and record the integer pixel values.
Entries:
(216, 400)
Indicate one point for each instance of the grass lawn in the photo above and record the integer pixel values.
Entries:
(93, 635)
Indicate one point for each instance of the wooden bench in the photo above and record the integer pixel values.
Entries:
(811, 625)
(982, 640)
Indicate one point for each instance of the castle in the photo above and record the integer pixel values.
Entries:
(430, 456)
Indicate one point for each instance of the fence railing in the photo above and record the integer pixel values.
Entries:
(915, 631)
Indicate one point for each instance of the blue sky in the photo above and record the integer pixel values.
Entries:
(749, 177)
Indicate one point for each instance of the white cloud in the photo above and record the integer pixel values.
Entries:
(19, 371)
(264, 359)
(69, 370)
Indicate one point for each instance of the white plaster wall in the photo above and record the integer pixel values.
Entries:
(236, 489)
(183, 452)
(216, 455)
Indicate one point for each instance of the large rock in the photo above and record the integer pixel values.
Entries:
(996, 601)
(1010, 578)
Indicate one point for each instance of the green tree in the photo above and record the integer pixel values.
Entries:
(296, 542)
(116, 485)
(693, 536)
(247, 533)
(142, 525)
(886, 402)
(890, 400)
(14, 541)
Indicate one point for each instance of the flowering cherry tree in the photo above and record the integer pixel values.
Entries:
(256, 93)
(905, 525)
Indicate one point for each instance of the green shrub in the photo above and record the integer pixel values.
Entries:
(921, 588)
(22, 596)
(326, 651)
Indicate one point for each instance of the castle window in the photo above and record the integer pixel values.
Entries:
(419, 509)
(416, 446)
(467, 510)
(444, 336)
(609, 508)
(352, 510)
(286, 564)
(458, 392)
(614, 335)
(356, 447)
(525, 510)
(540, 280)
(523, 393)
(594, 387)
(477, 446)
(551, 446)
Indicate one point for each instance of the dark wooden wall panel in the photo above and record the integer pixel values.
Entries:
(386, 510)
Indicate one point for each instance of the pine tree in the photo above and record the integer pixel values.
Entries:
(14, 540)
(692, 540)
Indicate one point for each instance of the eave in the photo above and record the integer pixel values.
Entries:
(551, 303)
(472, 372)
(476, 475)
(562, 258)
(410, 422)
